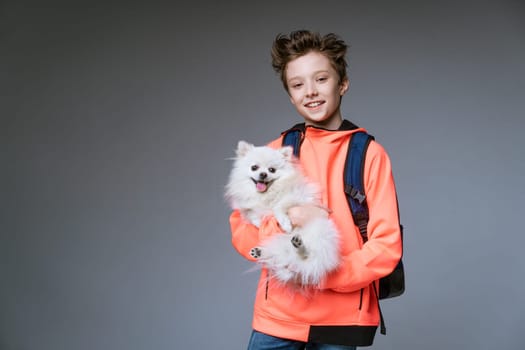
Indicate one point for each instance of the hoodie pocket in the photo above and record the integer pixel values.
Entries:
(266, 286)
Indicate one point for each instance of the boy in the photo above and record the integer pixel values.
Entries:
(342, 311)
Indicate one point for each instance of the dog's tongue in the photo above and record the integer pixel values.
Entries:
(261, 186)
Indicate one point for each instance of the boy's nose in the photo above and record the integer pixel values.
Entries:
(311, 90)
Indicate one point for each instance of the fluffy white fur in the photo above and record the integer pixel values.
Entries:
(266, 181)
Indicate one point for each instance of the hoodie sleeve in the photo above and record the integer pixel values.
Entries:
(381, 253)
(245, 235)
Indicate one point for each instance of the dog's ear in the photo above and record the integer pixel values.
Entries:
(287, 152)
(243, 147)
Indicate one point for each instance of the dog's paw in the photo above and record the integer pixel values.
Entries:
(251, 216)
(284, 222)
(256, 252)
(256, 221)
(297, 241)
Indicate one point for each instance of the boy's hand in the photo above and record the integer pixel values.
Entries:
(301, 214)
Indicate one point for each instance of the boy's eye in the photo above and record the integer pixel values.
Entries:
(322, 79)
(255, 167)
(296, 86)
(272, 170)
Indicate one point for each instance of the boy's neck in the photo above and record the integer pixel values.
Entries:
(331, 124)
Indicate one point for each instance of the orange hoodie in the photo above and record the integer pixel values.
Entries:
(343, 308)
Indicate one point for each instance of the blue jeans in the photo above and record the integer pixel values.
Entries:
(261, 341)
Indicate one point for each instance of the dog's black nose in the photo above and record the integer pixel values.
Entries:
(263, 176)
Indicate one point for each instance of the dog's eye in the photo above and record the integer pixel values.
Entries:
(255, 167)
(272, 170)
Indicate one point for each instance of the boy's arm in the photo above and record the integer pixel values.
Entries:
(245, 236)
(381, 253)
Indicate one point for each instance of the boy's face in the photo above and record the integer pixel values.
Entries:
(315, 91)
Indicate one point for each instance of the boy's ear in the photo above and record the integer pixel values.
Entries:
(287, 152)
(243, 147)
(343, 88)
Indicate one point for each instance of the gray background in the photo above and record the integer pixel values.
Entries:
(117, 122)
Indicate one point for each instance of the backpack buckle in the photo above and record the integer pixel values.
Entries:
(355, 194)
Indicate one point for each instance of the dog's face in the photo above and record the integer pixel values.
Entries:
(263, 166)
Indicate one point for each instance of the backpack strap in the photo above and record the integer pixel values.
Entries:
(355, 191)
(294, 137)
(354, 186)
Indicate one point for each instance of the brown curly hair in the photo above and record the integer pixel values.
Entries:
(286, 48)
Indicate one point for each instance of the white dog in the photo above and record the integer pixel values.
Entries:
(266, 181)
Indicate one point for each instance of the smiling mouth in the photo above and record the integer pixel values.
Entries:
(314, 104)
(262, 186)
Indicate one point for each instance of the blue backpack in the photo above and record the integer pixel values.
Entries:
(393, 284)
